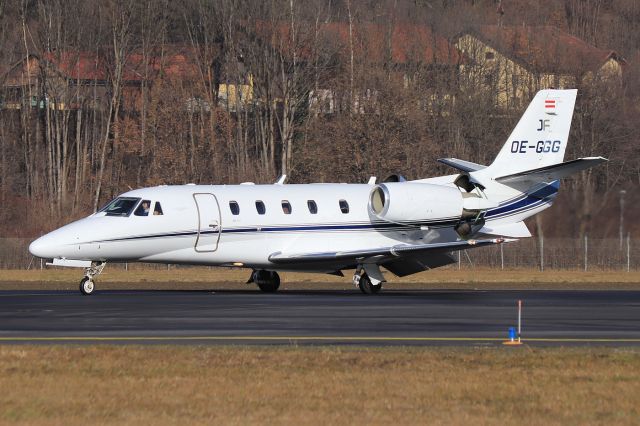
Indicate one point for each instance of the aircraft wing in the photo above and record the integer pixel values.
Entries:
(381, 255)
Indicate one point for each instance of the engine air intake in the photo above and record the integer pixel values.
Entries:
(378, 200)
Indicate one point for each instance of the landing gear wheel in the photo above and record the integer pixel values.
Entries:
(87, 286)
(267, 281)
(366, 286)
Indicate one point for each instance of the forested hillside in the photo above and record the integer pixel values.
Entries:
(100, 96)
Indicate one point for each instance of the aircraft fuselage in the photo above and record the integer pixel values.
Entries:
(198, 226)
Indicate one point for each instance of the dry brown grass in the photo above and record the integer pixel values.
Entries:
(328, 385)
(225, 278)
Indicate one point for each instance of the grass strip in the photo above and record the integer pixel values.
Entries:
(314, 385)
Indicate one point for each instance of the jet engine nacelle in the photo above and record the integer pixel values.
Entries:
(404, 201)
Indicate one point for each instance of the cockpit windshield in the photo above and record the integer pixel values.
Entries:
(121, 206)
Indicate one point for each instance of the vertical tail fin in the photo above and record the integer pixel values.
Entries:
(524, 178)
(540, 137)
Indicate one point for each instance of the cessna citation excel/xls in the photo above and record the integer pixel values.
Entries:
(404, 226)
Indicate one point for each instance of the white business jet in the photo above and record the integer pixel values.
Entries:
(404, 226)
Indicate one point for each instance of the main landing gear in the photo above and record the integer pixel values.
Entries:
(267, 281)
(87, 284)
(366, 283)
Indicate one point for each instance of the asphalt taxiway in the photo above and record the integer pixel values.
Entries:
(416, 317)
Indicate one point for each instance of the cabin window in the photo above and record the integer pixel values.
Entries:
(313, 207)
(260, 208)
(234, 207)
(286, 207)
(157, 210)
(121, 206)
(143, 208)
(344, 206)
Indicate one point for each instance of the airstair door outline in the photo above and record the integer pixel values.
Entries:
(209, 224)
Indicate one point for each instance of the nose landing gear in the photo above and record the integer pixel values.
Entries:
(87, 284)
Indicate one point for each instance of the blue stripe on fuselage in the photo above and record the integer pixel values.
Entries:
(539, 196)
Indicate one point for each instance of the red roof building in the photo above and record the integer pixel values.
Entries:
(400, 44)
(546, 49)
(512, 63)
(57, 73)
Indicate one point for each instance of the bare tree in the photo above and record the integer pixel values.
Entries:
(583, 18)
(120, 15)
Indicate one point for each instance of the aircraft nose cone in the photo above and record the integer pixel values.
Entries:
(42, 247)
(62, 242)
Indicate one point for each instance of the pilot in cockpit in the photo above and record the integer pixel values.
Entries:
(143, 209)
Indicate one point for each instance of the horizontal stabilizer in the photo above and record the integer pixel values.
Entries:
(511, 230)
(464, 166)
(553, 172)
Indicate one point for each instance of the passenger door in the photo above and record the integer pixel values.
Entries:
(209, 226)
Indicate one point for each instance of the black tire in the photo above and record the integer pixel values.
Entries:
(87, 286)
(367, 287)
(267, 281)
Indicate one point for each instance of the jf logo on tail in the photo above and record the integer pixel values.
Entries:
(400, 226)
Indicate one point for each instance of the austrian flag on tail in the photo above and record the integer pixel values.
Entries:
(550, 106)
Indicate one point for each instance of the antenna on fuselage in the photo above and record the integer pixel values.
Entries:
(281, 180)
(372, 180)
